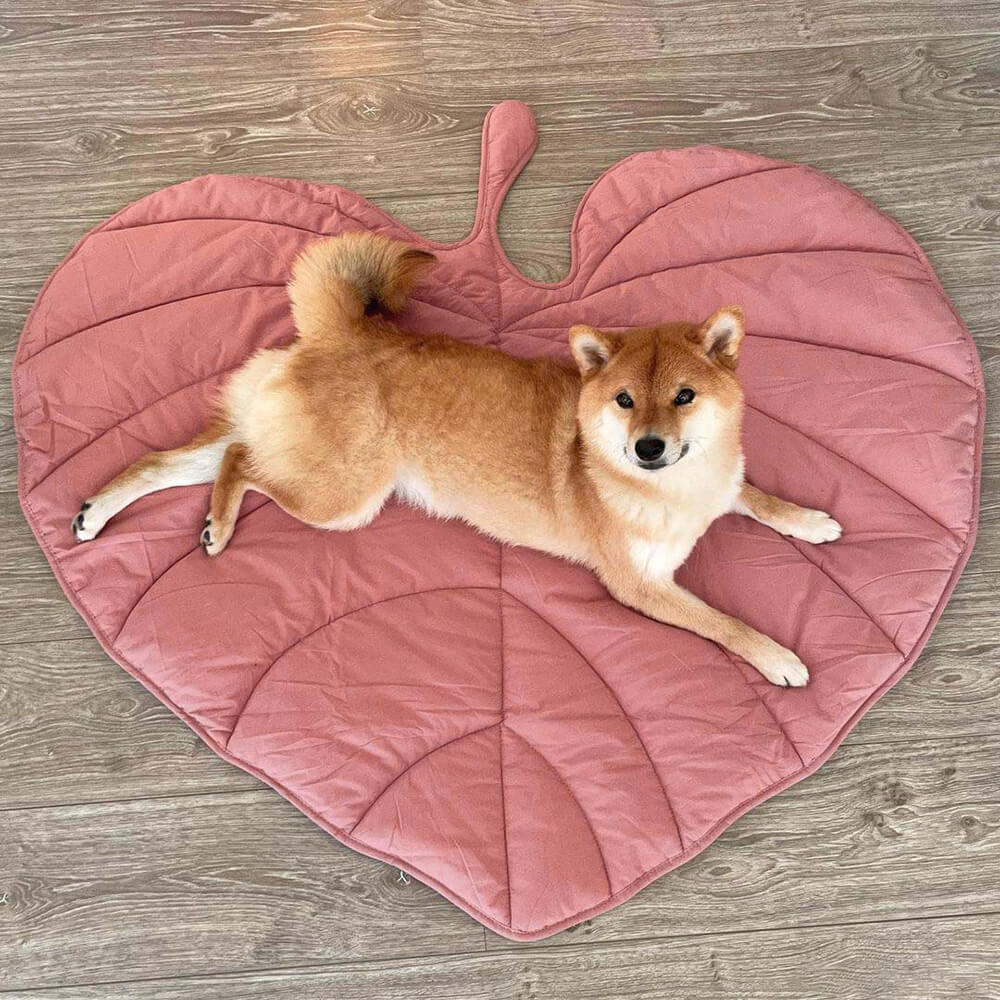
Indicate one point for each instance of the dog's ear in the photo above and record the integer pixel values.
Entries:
(721, 335)
(592, 348)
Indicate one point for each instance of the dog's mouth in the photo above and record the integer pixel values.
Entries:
(660, 463)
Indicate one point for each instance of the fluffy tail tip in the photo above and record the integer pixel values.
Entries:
(347, 277)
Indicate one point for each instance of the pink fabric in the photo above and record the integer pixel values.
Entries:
(488, 718)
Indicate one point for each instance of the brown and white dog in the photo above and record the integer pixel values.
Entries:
(620, 466)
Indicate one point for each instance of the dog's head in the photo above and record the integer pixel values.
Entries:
(653, 394)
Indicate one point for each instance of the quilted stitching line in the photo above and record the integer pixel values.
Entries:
(336, 204)
(866, 251)
(864, 354)
(500, 731)
(264, 182)
(850, 597)
(583, 812)
(871, 475)
(327, 624)
(150, 308)
(131, 416)
(767, 708)
(721, 260)
(409, 767)
(621, 709)
(225, 218)
(176, 562)
(673, 203)
(479, 317)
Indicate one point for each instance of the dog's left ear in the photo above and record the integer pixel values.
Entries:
(592, 348)
(721, 335)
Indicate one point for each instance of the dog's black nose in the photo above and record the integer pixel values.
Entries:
(650, 448)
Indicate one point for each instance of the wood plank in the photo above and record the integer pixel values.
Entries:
(95, 40)
(32, 605)
(457, 35)
(200, 884)
(214, 883)
(302, 38)
(381, 135)
(905, 960)
(385, 135)
(75, 728)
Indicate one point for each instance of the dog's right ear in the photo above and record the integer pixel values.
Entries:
(592, 348)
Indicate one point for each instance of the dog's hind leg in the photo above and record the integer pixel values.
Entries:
(234, 479)
(196, 462)
(335, 509)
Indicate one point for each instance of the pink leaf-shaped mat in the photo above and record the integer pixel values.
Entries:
(487, 718)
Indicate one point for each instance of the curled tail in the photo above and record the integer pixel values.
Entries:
(337, 282)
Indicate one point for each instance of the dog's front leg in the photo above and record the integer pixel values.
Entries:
(787, 518)
(667, 602)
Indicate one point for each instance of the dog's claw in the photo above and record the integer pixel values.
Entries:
(206, 538)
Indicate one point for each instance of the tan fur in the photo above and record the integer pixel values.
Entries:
(529, 451)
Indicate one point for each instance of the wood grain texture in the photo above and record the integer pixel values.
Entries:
(836, 849)
(129, 852)
(205, 883)
(76, 728)
(32, 605)
(906, 960)
(366, 131)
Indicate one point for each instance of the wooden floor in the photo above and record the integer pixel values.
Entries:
(133, 863)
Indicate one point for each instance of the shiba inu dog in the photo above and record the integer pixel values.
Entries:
(621, 464)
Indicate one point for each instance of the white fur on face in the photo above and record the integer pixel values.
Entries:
(609, 432)
(701, 431)
(703, 428)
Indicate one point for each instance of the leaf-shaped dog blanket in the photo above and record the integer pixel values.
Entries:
(488, 718)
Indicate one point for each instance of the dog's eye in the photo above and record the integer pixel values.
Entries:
(684, 397)
(624, 400)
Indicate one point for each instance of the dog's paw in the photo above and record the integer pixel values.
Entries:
(88, 523)
(781, 666)
(815, 526)
(207, 542)
(214, 538)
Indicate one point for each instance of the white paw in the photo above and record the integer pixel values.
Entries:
(815, 526)
(782, 667)
(88, 523)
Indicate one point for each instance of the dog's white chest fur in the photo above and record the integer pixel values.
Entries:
(657, 559)
(666, 532)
